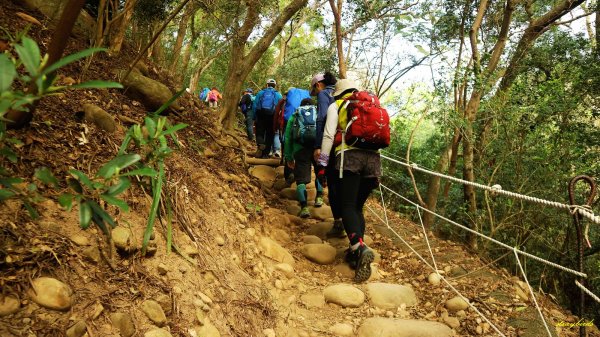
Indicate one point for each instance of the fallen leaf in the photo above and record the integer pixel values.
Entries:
(29, 18)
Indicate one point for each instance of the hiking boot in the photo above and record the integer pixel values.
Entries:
(364, 256)
(349, 258)
(304, 212)
(337, 231)
(319, 201)
(277, 154)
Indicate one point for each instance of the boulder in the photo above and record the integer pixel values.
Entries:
(123, 323)
(280, 184)
(158, 333)
(387, 327)
(293, 209)
(151, 93)
(9, 305)
(311, 239)
(390, 296)
(154, 312)
(99, 117)
(321, 213)
(320, 229)
(342, 329)
(344, 295)
(289, 193)
(273, 250)
(265, 174)
(319, 253)
(456, 303)
(51, 293)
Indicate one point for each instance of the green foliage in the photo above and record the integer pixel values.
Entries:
(151, 142)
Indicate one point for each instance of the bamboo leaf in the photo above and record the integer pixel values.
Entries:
(46, 176)
(66, 201)
(6, 194)
(85, 215)
(144, 171)
(97, 84)
(169, 102)
(70, 59)
(117, 164)
(81, 177)
(8, 72)
(29, 54)
(174, 129)
(102, 213)
(119, 187)
(115, 202)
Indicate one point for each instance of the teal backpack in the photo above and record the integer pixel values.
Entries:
(304, 129)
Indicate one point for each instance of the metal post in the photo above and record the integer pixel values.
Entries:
(577, 223)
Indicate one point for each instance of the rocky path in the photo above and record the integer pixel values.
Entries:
(314, 289)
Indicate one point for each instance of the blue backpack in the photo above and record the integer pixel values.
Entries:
(204, 93)
(304, 129)
(293, 99)
(267, 101)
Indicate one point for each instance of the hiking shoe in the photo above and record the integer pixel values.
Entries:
(277, 154)
(337, 231)
(364, 257)
(304, 212)
(349, 258)
(319, 201)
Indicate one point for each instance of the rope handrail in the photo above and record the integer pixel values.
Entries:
(502, 244)
(587, 291)
(386, 222)
(582, 210)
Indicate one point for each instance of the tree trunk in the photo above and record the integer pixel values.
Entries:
(200, 70)
(433, 187)
(185, 62)
(468, 171)
(183, 23)
(157, 46)
(338, 35)
(241, 64)
(118, 34)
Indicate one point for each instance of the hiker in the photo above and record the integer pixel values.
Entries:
(299, 138)
(246, 107)
(263, 108)
(213, 98)
(322, 86)
(361, 169)
(204, 95)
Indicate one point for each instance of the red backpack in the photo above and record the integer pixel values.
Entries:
(371, 128)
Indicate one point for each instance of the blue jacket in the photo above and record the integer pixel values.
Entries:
(258, 96)
(324, 100)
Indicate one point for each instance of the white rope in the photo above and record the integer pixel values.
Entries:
(539, 259)
(587, 291)
(385, 222)
(582, 210)
(531, 292)
(427, 240)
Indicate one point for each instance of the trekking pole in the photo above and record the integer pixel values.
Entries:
(344, 145)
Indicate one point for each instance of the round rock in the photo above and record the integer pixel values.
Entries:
(154, 312)
(9, 305)
(158, 333)
(390, 296)
(434, 279)
(456, 303)
(321, 213)
(387, 327)
(123, 323)
(77, 330)
(121, 236)
(319, 253)
(273, 250)
(51, 293)
(286, 269)
(342, 329)
(344, 295)
(308, 239)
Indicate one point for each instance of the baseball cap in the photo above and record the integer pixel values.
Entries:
(271, 81)
(316, 79)
(249, 90)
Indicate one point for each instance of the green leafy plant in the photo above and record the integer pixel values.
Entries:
(150, 140)
(111, 180)
(38, 79)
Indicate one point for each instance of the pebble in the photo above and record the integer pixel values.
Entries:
(162, 269)
(269, 332)
(158, 333)
(9, 305)
(344, 295)
(154, 312)
(434, 279)
(123, 323)
(51, 293)
(219, 240)
(456, 303)
(77, 330)
(80, 240)
(342, 329)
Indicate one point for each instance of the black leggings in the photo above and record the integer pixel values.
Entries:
(264, 132)
(354, 191)
(333, 177)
